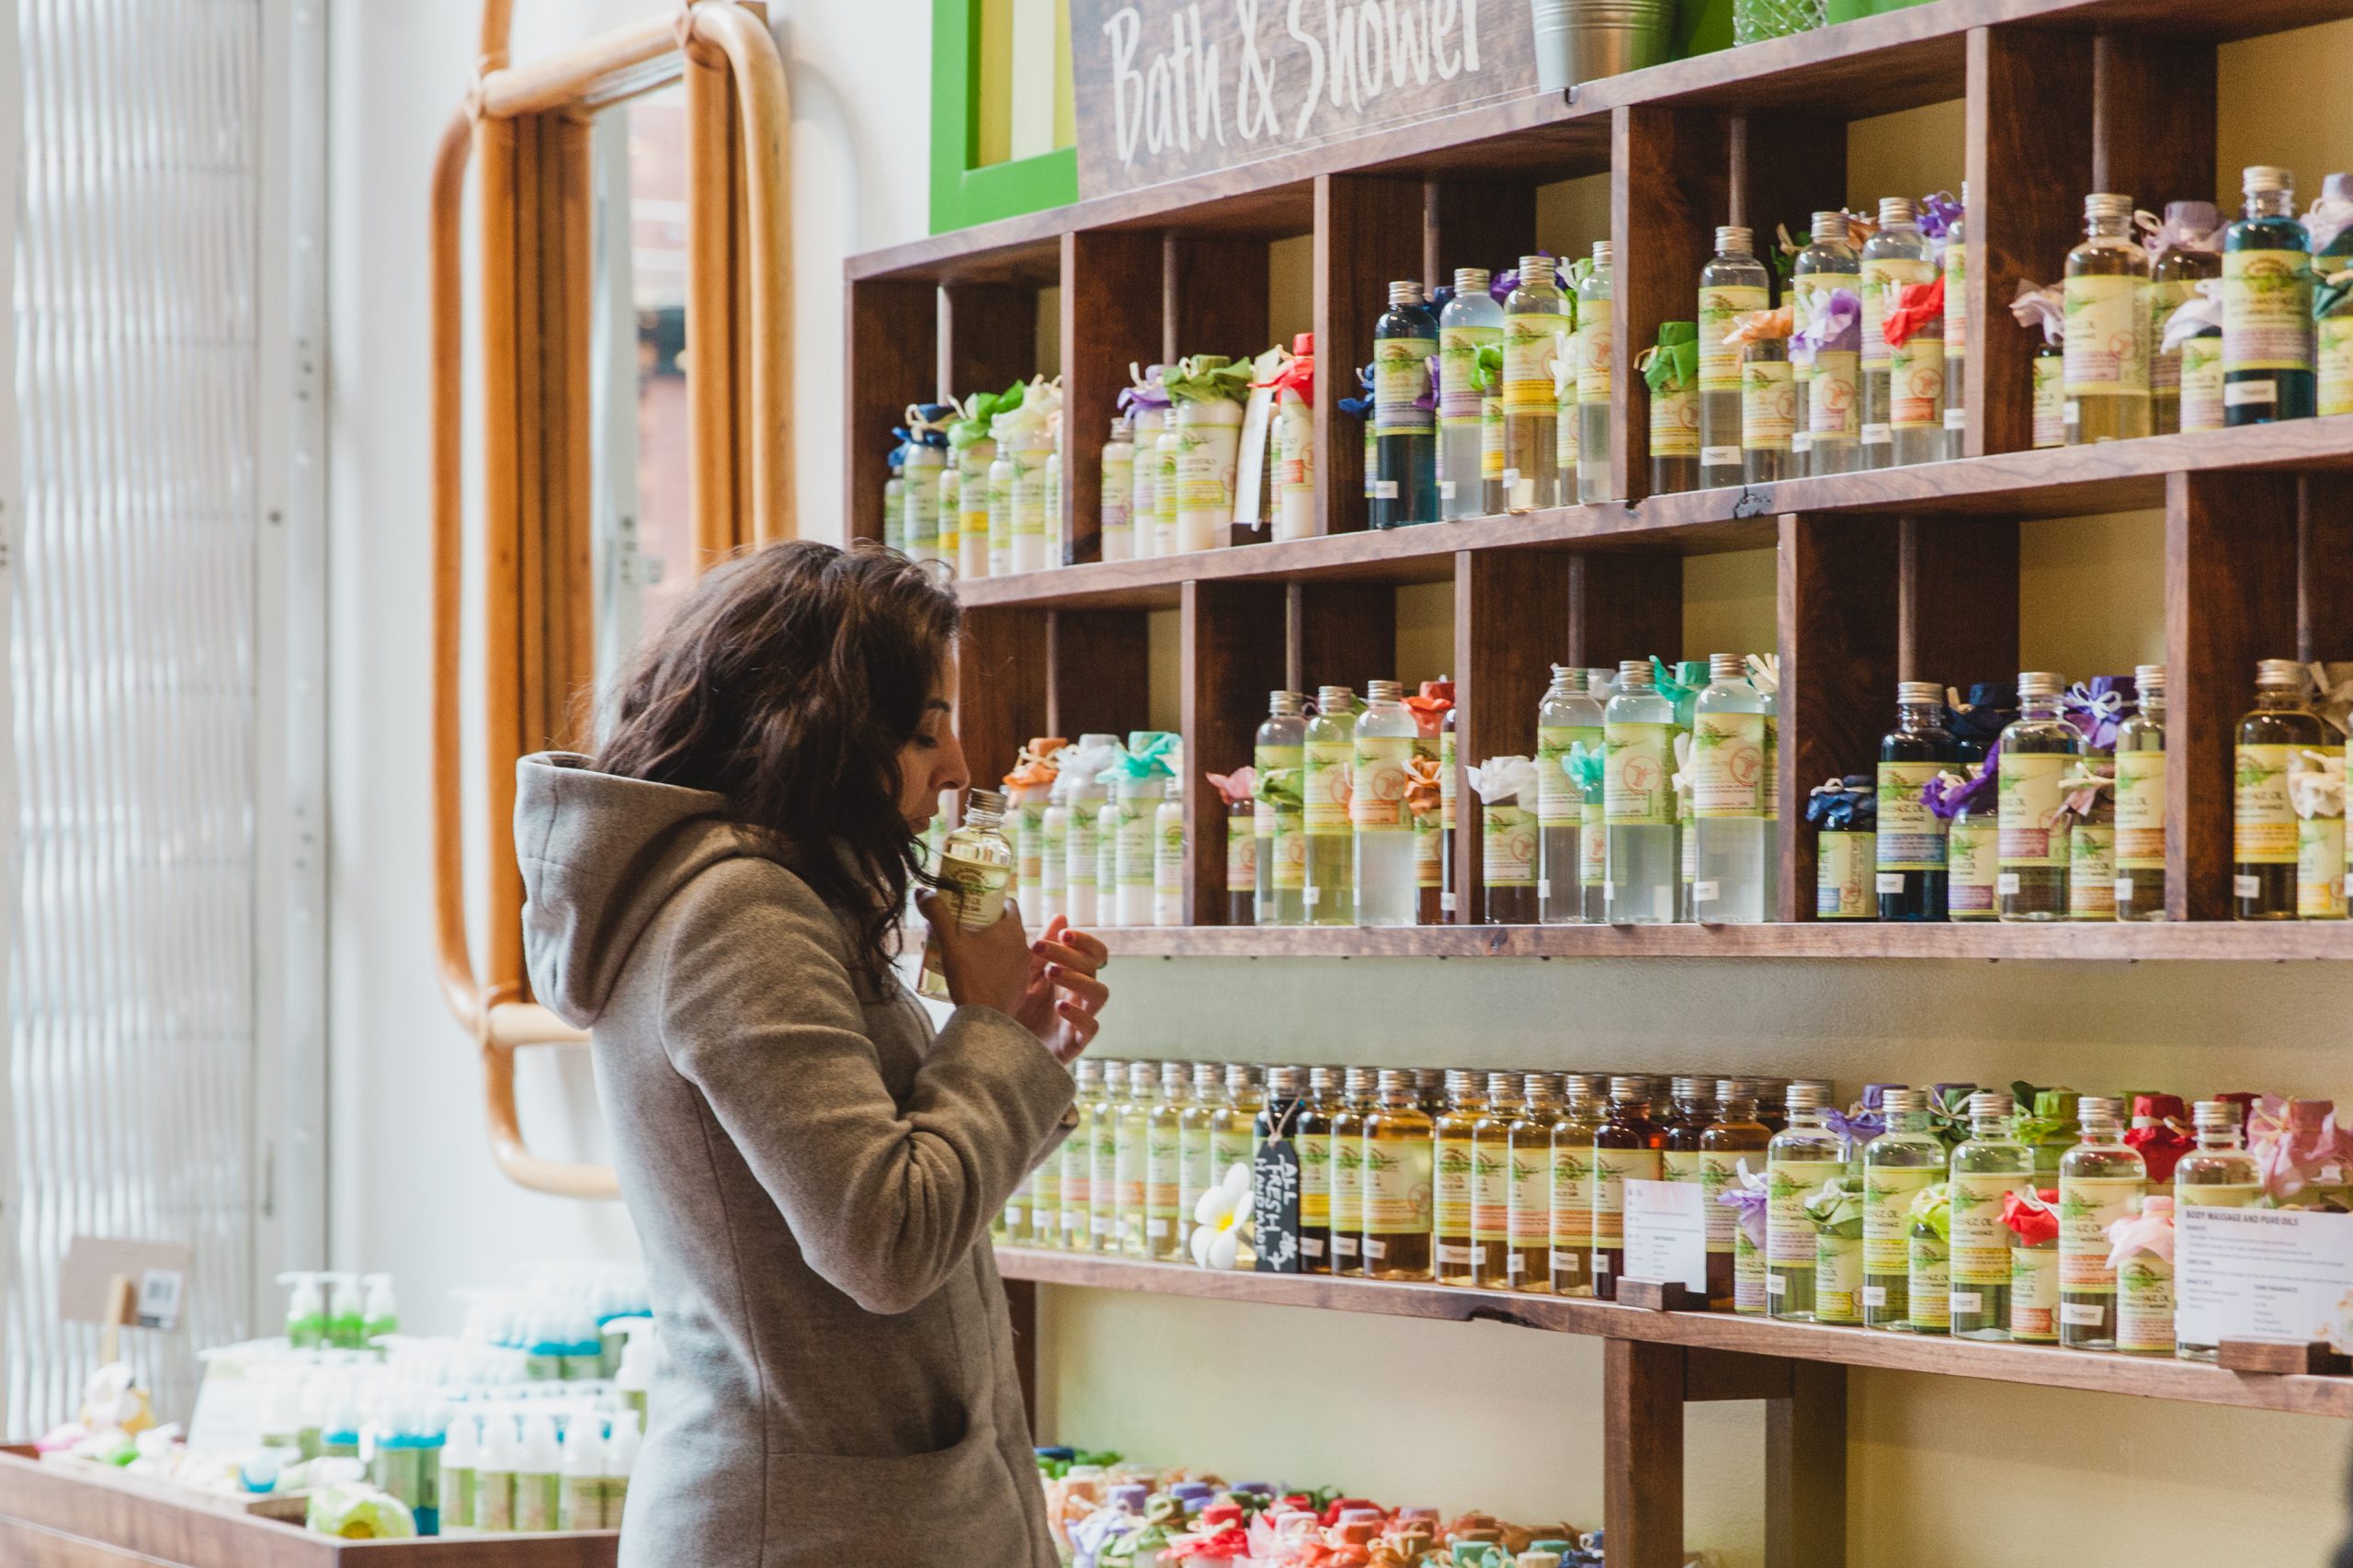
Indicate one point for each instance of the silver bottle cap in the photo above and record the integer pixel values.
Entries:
(1990, 1102)
(1895, 211)
(1536, 270)
(1918, 693)
(2107, 206)
(2266, 177)
(2215, 1113)
(1334, 700)
(1631, 1087)
(1903, 1102)
(2041, 683)
(1736, 239)
(1605, 253)
(1142, 1078)
(1404, 293)
(1829, 228)
(1287, 704)
(2149, 678)
(1471, 280)
(2275, 673)
(1801, 1097)
(1727, 667)
(1635, 674)
(1384, 691)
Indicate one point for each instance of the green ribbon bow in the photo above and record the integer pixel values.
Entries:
(975, 413)
(2330, 291)
(1673, 365)
(1279, 787)
(1584, 766)
(1487, 369)
(2052, 1119)
(1146, 757)
(1948, 1114)
(1209, 378)
(1932, 1207)
(1838, 1208)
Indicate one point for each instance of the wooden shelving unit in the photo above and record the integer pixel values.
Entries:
(1896, 575)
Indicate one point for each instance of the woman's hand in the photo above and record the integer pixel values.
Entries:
(1062, 999)
(989, 967)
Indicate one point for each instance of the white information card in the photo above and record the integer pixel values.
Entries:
(2271, 1274)
(1666, 1233)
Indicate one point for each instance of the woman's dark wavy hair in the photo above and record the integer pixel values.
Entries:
(788, 682)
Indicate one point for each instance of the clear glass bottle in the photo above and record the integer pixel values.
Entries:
(1491, 1182)
(1146, 425)
(1894, 258)
(1986, 1168)
(1399, 1155)
(2219, 1174)
(1957, 332)
(1168, 854)
(1197, 1170)
(1431, 708)
(1735, 1268)
(1454, 1177)
(1130, 1158)
(1768, 413)
(1164, 1216)
(1234, 1135)
(1972, 855)
(2141, 801)
(1346, 1203)
(1387, 890)
(2100, 1181)
(1911, 842)
(2035, 751)
(1527, 1142)
(1674, 435)
(1691, 1104)
(1471, 320)
(2263, 823)
(1643, 870)
(1116, 522)
(2107, 351)
(1534, 317)
(1799, 1160)
(1566, 717)
(1583, 1102)
(2267, 372)
(1313, 1134)
(1733, 285)
(1596, 359)
(1897, 1164)
(1075, 1225)
(1450, 795)
(920, 504)
(977, 868)
(1831, 445)
(1626, 1146)
(1736, 841)
(1404, 341)
(1103, 1161)
(1279, 757)
(1328, 765)
(2174, 273)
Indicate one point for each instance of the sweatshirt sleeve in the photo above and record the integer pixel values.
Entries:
(760, 1014)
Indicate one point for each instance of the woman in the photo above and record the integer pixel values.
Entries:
(812, 1171)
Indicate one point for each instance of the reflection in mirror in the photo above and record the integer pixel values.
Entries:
(644, 541)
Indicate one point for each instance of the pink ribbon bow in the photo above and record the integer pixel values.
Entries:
(2293, 1141)
(2149, 1230)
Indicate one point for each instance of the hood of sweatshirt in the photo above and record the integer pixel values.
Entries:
(601, 855)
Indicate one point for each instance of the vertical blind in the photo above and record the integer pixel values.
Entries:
(131, 997)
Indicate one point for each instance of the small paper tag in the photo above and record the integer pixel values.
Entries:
(1889, 881)
(1446, 902)
(1310, 897)
(2247, 887)
(1312, 1245)
(1719, 457)
(1445, 490)
(1384, 490)
(1544, 887)
(1874, 1295)
(2124, 887)
(2237, 394)
(1775, 1285)
(2006, 883)
(1452, 1253)
(1956, 420)
(1803, 441)
(1155, 1229)
(1511, 477)
(1568, 1262)
(1877, 434)
(159, 1298)
(1706, 892)
(1375, 1248)
(1967, 1302)
(2074, 413)
(2088, 1313)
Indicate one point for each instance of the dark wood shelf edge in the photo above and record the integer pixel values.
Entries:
(2093, 942)
(2061, 482)
(2089, 1371)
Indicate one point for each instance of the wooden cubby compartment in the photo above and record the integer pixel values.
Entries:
(1884, 575)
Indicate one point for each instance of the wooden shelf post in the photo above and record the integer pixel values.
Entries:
(1642, 1454)
(891, 343)
(1837, 618)
(1233, 654)
(1111, 311)
(1670, 171)
(1805, 1469)
(1368, 235)
(1511, 622)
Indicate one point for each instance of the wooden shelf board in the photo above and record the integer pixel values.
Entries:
(2045, 1365)
(2055, 482)
(2107, 941)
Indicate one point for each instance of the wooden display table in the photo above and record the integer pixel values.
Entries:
(55, 1517)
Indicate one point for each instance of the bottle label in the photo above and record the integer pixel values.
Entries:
(1884, 278)
(1315, 1179)
(1529, 347)
(1559, 802)
(1397, 1185)
(975, 890)
(1206, 454)
(1127, 1173)
(1572, 1197)
(1845, 885)
(1727, 766)
(1612, 1169)
(1887, 1214)
(1457, 353)
(1529, 1199)
(1053, 852)
(2050, 428)
(1679, 1164)
(2320, 867)
(1768, 405)
(1118, 488)
(1593, 846)
(1454, 1170)
(1719, 1174)
(1428, 844)
(1969, 857)
(998, 522)
(1163, 1165)
(2144, 1304)
(1491, 441)
(2032, 833)
(1981, 1243)
(1911, 836)
(1838, 1279)
(1134, 855)
(1564, 428)
(2140, 810)
(1029, 834)
(2215, 1195)
(1233, 1146)
(2201, 383)
(1377, 795)
(2164, 298)
(2087, 1207)
(1491, 1190)
(1344, 1204)
(1294, 448)
(2091, 871)
(1833, 412)
(1400, 377)
(1448, 784)
(1507, 846)
(2336, 333)
(1720, 308)
(1597, 350)
(1675, 423)
(2107, 350)
(1747, 1275)
(1241, 854)
(1915, 382)
(2266, 311)
(1956, 298)
(1327, 783)
(1772, 785)
(1929, 1282)
(2034, 1293)
(2263, 826)
(1637, 790)
(1789, 1234)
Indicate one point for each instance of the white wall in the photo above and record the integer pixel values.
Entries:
(412, 1188)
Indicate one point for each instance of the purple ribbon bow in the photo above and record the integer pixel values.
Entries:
(1500, 286)
(1838, 326)
(1152, 394)
(2099, 707)
(1938, 213)
(1944, 801)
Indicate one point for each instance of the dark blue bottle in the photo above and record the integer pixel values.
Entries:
(1405, 485)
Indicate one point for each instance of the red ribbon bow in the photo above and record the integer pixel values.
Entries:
(1917, 304)
(2161, 1133)
(2036, 1223)
(1298, 375)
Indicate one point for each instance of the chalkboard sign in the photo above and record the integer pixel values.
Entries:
(1274, 1198)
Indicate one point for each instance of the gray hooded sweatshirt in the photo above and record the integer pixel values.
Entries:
(812, 1173)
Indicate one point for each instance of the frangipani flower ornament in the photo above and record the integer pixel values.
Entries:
(1222, 1218)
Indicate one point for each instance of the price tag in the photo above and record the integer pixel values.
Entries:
(1890, 882)
(2275, 1273)
(2247, 887)
(1666, 1233)
(2006, 883)
(159, 1298)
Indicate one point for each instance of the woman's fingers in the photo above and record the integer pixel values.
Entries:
(1086, 943)
(1081, 1027)
(1060, 955)
(1081, 987)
